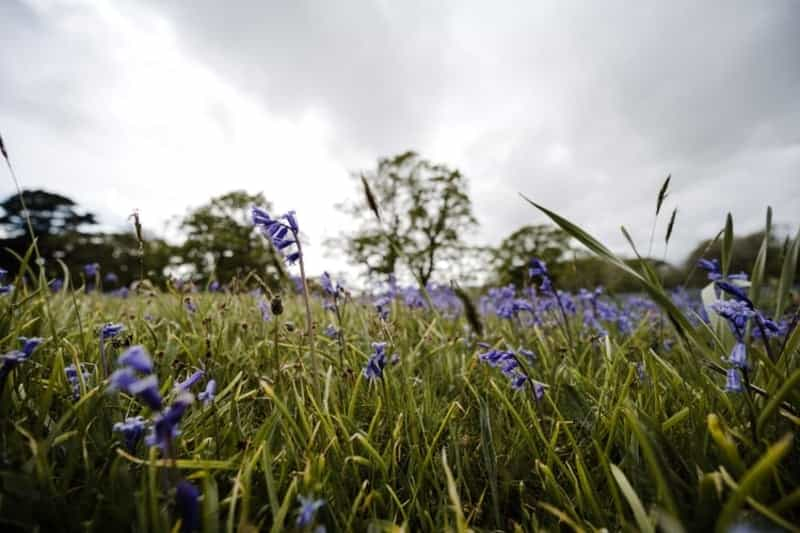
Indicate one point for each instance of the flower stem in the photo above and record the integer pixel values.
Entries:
(306, 299)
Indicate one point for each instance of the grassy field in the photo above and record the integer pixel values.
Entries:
(619, 420)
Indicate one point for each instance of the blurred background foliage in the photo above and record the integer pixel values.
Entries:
(413, 217)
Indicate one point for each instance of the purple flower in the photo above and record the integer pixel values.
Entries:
(74, 380)
(281, 231)
(382, 305)
(111, 278)
(376, 363)
(538, 268)
(110, 330)
(214, 286)
(509, 365)
(327, 284)
(210, 392)
(190, 305)
(165, 425)
(189, 382)
(711, 267)
(146, 389)
(29, 344)
(738, 356)
(15, 357)
(736, 312)
(308, 510)
(331, 331)
(121, 380)
(91, 269)
(132, 430)
(737, 292)
(188, 506)
(263, 306)
(137, 358)
(733, 381)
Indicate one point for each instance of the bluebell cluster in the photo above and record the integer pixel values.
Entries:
(443, 298)
(734, 305)
(377, 361)
(281, 231)
(508, 363)
(75, 379)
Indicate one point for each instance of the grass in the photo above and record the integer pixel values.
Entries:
(442, 442)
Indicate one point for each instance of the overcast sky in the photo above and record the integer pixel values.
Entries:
(583, 107)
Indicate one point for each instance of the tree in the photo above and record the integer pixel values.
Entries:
(424, 210)
(50, 214)
(511, 259)
(221, 241)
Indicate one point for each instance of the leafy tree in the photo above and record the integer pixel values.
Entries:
(511, 259)
(424, 210)
(221, 241)
(50, 214)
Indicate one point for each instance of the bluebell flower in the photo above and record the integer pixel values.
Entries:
(382, 305)
(538, 390)
(518, 381)
(737, 313)
(308, 510)
(137, 358)
(711, 266)
(91, 269)
(327, 284)
(214, 286)
(110, 330)
(165, 425)
(281, 231)
(263, 307)
(189, 382)
(738, 293)
(733, 381)
(377, 362)
(210, 392)
(111, 278)
(331, 331)
(121, 380)
(15, 357)
(122, 292)
(75, 380)
(146, 390)
(187, 503)
(538, 268)
(738, 356)
(190, 305)
(29, 344)
(507, 362)
(132, 430)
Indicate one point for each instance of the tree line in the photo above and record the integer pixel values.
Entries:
(412, 218)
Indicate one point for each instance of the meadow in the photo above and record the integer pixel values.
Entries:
(407, 409)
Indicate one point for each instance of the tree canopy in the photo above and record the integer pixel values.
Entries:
(222, 243)
(424, 212)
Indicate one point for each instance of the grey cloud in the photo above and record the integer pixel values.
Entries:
(585, 107)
